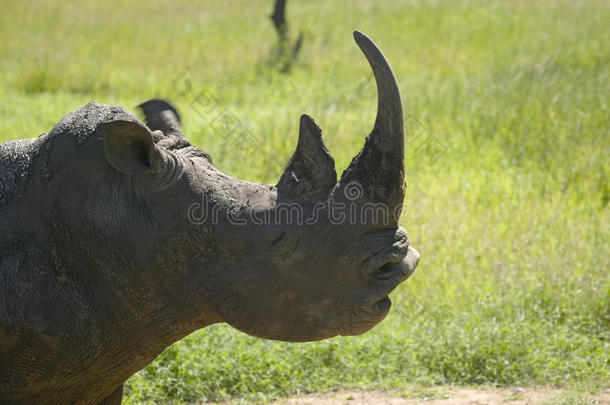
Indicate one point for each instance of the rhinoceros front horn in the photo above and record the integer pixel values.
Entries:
(379, 167)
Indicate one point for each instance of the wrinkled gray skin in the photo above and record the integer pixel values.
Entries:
(106, 257)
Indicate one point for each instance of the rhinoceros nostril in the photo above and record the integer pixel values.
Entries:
(388, 271)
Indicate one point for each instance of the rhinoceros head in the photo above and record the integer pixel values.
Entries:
(308, 258)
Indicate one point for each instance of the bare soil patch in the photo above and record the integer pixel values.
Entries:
(442, 396)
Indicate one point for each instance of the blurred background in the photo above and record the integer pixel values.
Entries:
(508, 136)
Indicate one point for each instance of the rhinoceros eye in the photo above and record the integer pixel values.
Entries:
(278, 238)
(283, 246)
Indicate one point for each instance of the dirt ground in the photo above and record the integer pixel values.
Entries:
(448, 396)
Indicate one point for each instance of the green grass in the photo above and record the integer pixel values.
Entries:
(507, 161)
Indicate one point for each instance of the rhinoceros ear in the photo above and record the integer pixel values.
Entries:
(129, 147)
(310, 174)
(161, 115)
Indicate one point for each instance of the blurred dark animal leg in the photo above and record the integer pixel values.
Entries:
(279, 22)
(279, 19)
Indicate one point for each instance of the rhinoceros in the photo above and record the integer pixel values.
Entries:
(119, 238)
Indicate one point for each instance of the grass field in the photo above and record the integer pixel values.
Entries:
(508, 125)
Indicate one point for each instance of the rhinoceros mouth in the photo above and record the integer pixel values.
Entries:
(391, 271)
(390, 275)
